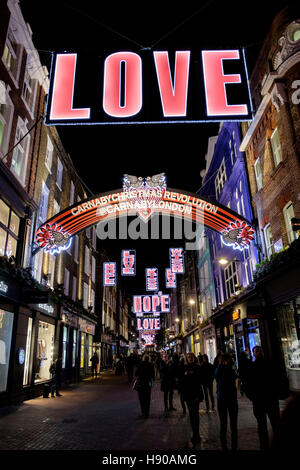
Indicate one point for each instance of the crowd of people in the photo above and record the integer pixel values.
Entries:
(193, 378)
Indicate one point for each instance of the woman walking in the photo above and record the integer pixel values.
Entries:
(168, 384)
(145, 374)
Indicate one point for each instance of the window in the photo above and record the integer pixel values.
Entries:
(72, 188)
(76, 248)
(38, 260)
(10, 54)
(74, 288)
(49, 154)
(27, 352)
(288, 212)
(28, 91)
(20, 153)
(56, 207)
(231, 279)
(59, 174)
(9, 230)
(74, 348)
(65, 348)
(43, 207)
(276, 148)
(66, 281)
(87, 261)
(269, 244)
(45, 351)
(93, 269)
(93, 300)
(85, 295)
(258, 174)
(6, 327)
(220, 178)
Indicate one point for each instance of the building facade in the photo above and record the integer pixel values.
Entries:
(271, 143)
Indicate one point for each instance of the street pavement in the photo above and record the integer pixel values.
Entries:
(103, 414)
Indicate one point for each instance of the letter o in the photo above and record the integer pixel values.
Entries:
(112, 84)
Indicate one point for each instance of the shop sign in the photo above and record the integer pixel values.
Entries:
(177, 260)
(236, 315)
(148, 323)
(128, 262)
(151, 304)
(171, 281)
(21, 356)
(36, 297)
(86, 326)
(47, 308)
(149, 88)
(109, 274)
(3, 288)
(152, 279)
(69, 319)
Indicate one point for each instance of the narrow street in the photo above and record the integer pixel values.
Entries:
(103, 414)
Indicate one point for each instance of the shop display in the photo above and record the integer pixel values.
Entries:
(6, 324)
(45, 346)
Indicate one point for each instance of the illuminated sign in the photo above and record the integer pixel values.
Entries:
(148, 323)
(177, 260)
(151, 279)
(143, 196)
(148, 87)
(148, 338)
(171, 281)
(236, 315)
(47, 308)
(109, 274)
(128, 263)
(155, 304)
(3, 287)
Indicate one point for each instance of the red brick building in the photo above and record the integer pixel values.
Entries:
(272, 146)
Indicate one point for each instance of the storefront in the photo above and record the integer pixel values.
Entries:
(209, 342)
(69, 337)
(86, 334)
(108, 351)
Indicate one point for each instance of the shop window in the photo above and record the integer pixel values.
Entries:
(288, 319)
(82, 350)
(288, 212)
(258, 174)
(90, 347)
(9, 230)
(276, 148)
(253, 333)
(6, 325)
(231, 279)
(27, 352)
(74, 348)
(44, 354)
(65, 343)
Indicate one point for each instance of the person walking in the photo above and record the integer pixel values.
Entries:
(168, 384)
(244, 365)
(227, 400)
(95, 361)
(263, 391)
(180, 379)
(129, 365)
(207, 370)
(193, 394)
(145, 374)
(56, 370)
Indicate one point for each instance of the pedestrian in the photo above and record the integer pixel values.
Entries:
(207, 370)
(180, 378)
(193, 394)
(244, 365)
(286, 438)
(227, 399)
(263, 391)
(95, 361)
(200, 358)
(145, 374)
(56, 370)
(129, 365)
(216, 359)
(168, 383)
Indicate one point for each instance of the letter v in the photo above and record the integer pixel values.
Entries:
(173, 95)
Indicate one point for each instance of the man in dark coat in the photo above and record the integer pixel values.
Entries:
(168, 383)
(145, 374)
(227, 399)
(207, 371)
(193, 393)
(263, 392)
(56, 371)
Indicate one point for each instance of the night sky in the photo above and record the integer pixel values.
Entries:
(102, 154)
